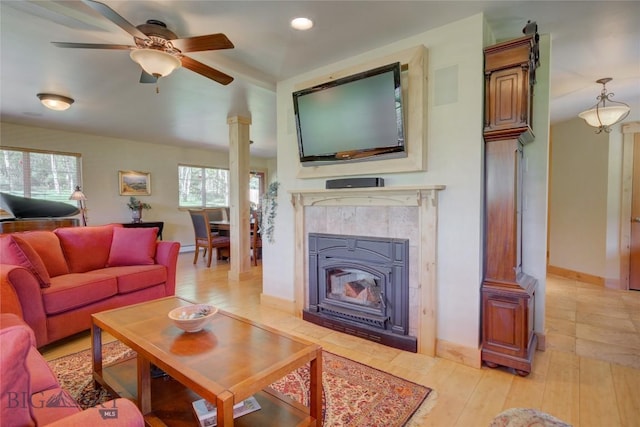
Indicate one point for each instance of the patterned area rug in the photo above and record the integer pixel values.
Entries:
(355, 395)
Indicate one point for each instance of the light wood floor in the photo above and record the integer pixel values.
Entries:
(589, 375)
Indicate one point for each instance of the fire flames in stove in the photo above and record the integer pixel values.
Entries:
(354, 286)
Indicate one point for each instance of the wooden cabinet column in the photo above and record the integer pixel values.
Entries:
(508, 294)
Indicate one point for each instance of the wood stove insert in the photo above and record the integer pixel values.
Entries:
(360, 286)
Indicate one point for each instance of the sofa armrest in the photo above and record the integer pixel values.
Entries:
(22, 290)
(117, 412)
(9, 320)
(167, 255)
(9, 301)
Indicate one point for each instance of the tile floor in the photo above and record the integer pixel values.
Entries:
(593, 321)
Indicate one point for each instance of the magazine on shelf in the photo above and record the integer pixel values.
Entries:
(207, 413)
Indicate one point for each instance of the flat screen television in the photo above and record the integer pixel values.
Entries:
(355, 118)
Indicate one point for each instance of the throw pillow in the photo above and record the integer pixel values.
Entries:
(47, 245)
(133, 246)
(85, 248)
(16, 251)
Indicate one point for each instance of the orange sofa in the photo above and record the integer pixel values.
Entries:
(55, 280)
(30, 394)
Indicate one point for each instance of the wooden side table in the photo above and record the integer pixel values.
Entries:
(158, 224)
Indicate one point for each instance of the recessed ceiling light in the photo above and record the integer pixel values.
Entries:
(301, 24)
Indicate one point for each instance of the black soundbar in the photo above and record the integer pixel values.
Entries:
(332, 184)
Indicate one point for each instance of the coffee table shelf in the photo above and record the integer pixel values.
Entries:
(171, 401)
(229, 361)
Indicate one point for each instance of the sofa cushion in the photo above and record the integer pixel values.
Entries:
(15, 342)
(133, 246)
(15, 251)
(77, 290)
(136, 277)
(51, 405)
(47, 245)
(85, 248)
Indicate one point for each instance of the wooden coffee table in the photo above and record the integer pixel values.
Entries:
(230, 360)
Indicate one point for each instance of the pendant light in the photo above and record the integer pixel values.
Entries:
(606, 112)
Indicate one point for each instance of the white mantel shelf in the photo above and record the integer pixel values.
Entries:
(424, 198)
(367, 196)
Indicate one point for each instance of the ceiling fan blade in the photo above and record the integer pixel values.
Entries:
(114, 17)
(206, 71)
(201, 43)
(147, 78)
(93, 46)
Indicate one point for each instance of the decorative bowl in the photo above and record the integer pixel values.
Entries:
(192, 318)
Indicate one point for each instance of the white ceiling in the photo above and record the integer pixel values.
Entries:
(590, 40)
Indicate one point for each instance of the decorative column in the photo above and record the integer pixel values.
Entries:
(240, 258)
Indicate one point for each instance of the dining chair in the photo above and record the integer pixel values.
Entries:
(217, 214)
(203, 236)
(256, 238)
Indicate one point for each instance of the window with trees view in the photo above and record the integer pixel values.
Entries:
(209, 187)
(40, 174)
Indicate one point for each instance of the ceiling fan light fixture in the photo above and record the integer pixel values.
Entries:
(155, 62)
(55, 102)
(603, 116)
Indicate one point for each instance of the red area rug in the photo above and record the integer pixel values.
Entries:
(355, 395)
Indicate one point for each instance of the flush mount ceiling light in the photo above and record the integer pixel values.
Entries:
(606, 112)
(55, 102)
(155, 62)
(301, 23)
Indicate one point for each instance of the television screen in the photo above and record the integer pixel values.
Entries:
(354, 118)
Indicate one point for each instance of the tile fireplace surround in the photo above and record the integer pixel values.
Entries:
(396, 212)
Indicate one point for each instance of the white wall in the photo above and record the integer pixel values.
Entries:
(585, 198)
(535, 185)
(102, 158)
(578, 198)
(455, 149)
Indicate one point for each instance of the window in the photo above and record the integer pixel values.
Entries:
(256, 187)
(203, 187)
(40, 174)
(209, 187)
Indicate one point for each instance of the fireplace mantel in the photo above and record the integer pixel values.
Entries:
(424, 198)
(369, 196)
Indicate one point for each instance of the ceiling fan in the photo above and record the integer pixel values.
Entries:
(157, 49)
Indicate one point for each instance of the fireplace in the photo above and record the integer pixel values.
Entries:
(360, 285)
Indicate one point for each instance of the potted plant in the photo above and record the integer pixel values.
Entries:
(136, 207)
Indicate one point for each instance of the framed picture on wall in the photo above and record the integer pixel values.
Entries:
(134, 183)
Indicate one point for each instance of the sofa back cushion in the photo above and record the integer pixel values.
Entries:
(133, 246)
(47, 245)
(16, 251)
(15, 395)
(85, 248)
